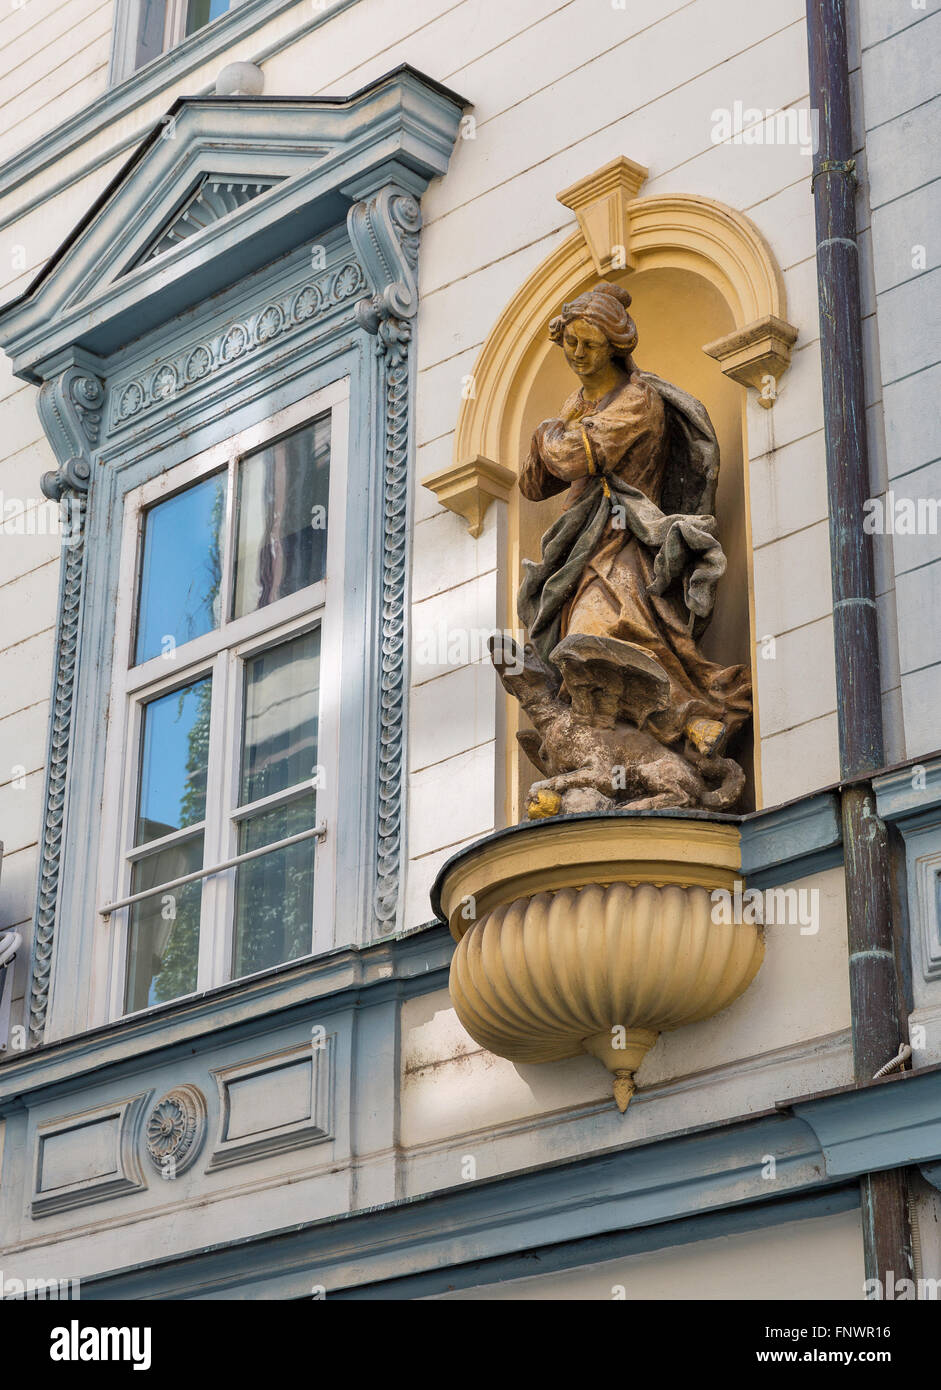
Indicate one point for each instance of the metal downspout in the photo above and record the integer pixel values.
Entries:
(877, 1017)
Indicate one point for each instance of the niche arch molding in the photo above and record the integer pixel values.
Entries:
(622, 235)
(676, 231)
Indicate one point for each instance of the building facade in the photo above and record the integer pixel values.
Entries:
(278, 277)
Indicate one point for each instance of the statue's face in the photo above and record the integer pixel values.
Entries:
(587, 350)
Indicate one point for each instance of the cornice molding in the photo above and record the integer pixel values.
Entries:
(161, 75)
(326, 153)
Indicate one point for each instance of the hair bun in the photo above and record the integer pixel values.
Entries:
(615, 291)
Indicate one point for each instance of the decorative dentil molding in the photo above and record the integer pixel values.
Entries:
(384, 230)
(70, 406)
(214, 197)
(601, 203)
(467, 489)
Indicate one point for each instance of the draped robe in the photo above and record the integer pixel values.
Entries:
(615, 564)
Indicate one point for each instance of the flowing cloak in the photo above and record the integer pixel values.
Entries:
(641, 564)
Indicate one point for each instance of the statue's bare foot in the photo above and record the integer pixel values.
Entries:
(543, 803)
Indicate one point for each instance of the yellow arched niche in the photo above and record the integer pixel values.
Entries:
(706, 291)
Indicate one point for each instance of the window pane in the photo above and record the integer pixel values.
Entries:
(174, 758)
(181, 569)
(163, 943)
(282, 691)
(281, 543)
(275, 893)
(153, 17)
(200, 12)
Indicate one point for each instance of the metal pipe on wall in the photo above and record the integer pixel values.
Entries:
(875, 996)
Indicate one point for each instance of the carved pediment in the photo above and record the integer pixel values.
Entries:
(223, 186)
(214, 197)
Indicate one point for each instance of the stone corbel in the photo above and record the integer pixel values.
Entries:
(384, 231)
(70, 405)
(600, 201)
(756, 355)
(467, 489)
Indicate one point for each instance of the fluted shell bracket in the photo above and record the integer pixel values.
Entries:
(595, 936)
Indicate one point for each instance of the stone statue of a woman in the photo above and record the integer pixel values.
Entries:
(625, 588)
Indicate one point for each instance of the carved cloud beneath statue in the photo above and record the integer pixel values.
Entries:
(626, 709)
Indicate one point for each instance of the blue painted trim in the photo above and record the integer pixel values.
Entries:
(325, 149)
(351, 978)
(792, 841)
(163, 73)
(889, 1124)
(541, 1258)
(647, 1184)
(905, 804)
(613, 1245)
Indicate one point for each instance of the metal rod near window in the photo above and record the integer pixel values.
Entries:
(317, 832)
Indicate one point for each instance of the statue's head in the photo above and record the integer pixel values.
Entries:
(595, 329)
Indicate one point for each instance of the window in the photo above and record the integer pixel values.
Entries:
(222, 761)
(160, 24)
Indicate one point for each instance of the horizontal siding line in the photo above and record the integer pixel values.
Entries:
(5, 651)
(777, 448)
(462, 753)
(24, 573)
(29, 772)
(54, 560)
(396, 43)
(803, 724)
(909, 471)
(58, 38)
(900, 115)
(799, 627)
(870, 47)
(915, 569)
(446, 434)
(787, 535)
(910, 280)
(589, 135)
(909, 376)
(877, 207)
(500, 260)
(70, 58)
(917, 670)
(550, 14)
(440, 849)
(23, 709)
(471, 579)
(596, 57)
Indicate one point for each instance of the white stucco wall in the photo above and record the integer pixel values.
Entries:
(557, 91)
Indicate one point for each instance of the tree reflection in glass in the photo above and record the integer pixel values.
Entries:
(163, 947)
(274, 896)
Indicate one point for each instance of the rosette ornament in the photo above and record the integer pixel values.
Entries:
(595, 934)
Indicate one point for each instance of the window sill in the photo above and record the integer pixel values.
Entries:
(416, 962)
